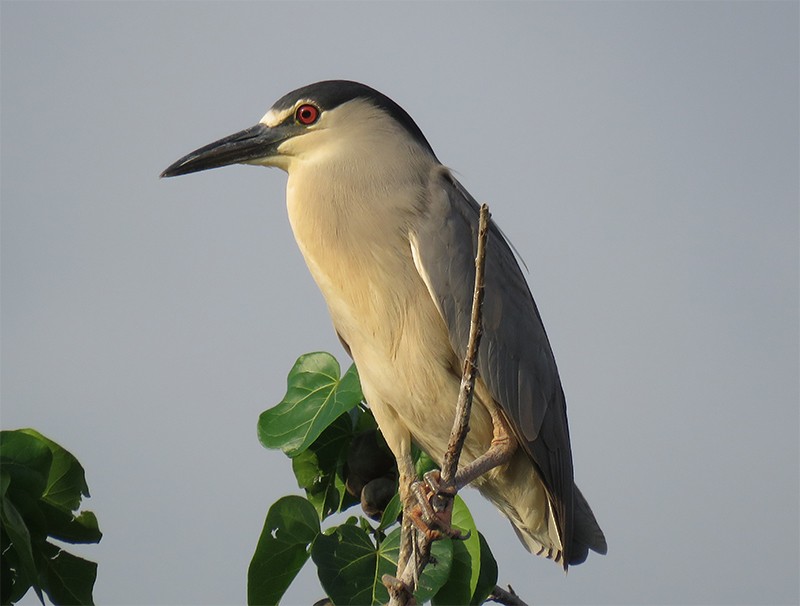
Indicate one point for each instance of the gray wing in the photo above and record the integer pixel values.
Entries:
(515, 360)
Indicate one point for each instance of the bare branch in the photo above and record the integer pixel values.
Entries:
(458, 435)
(401, 589)
(501, 596)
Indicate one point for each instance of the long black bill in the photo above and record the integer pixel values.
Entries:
(252, 143)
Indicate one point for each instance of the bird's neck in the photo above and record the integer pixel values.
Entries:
(339, 209)
(353, 236)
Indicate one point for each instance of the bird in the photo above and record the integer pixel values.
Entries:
(389, 236)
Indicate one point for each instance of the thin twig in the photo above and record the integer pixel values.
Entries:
(458, 434)
(402, 593)
(501, 596)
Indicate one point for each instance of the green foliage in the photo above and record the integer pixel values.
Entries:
(339, 459)
(487, 576)
(41, 487)
(291, 526)
(351, 563)
(320, 469)
(464, 584)
(315, 397)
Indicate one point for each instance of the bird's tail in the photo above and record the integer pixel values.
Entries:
(517, 491)
(586, 532)
(586, 535)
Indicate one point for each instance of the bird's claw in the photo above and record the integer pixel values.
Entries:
(433, 512)
(441, 494)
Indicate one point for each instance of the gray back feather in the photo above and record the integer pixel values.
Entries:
(515, 360)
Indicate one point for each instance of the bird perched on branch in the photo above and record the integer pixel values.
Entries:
(389, 236)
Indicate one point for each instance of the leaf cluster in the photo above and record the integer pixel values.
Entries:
(340, 459)
(41, 487)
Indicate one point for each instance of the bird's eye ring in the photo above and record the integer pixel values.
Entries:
(306, 114)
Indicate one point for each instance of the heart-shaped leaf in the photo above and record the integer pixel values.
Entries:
(315, 397)
(69, 579)
(27, 461)
(66, 482)
(291, 526)
(466, 567)
(348, 566)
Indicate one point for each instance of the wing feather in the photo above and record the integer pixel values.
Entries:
(515, 360)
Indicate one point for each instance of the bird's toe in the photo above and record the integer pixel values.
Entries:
(431, 508)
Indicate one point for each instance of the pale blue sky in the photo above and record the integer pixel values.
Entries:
(642, 157)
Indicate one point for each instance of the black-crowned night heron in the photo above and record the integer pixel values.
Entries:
(389, 236)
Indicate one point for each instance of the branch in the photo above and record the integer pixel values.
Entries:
(401, 590)
(458, 434)
(501, 596)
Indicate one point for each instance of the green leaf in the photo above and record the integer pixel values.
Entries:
(5, 482)
(488, 576)
(391, 513)
(17, 531)
(320, 468)
(350, 566)
(466, 567)
(42, 485)
(436, 572)
(68, 578)
(27, 460)
(66, 482)
(7, 575)
(65, 526)
(424, 464)
(319, 486)
(347, 566)
(30, 510)
(291, 526)
(315, 397)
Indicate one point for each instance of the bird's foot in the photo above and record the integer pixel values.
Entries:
(433, 511)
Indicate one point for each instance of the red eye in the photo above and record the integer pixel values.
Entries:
(306, 114)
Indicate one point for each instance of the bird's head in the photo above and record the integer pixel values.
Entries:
(330, 119)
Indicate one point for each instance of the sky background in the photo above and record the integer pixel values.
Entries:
(642, 157)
